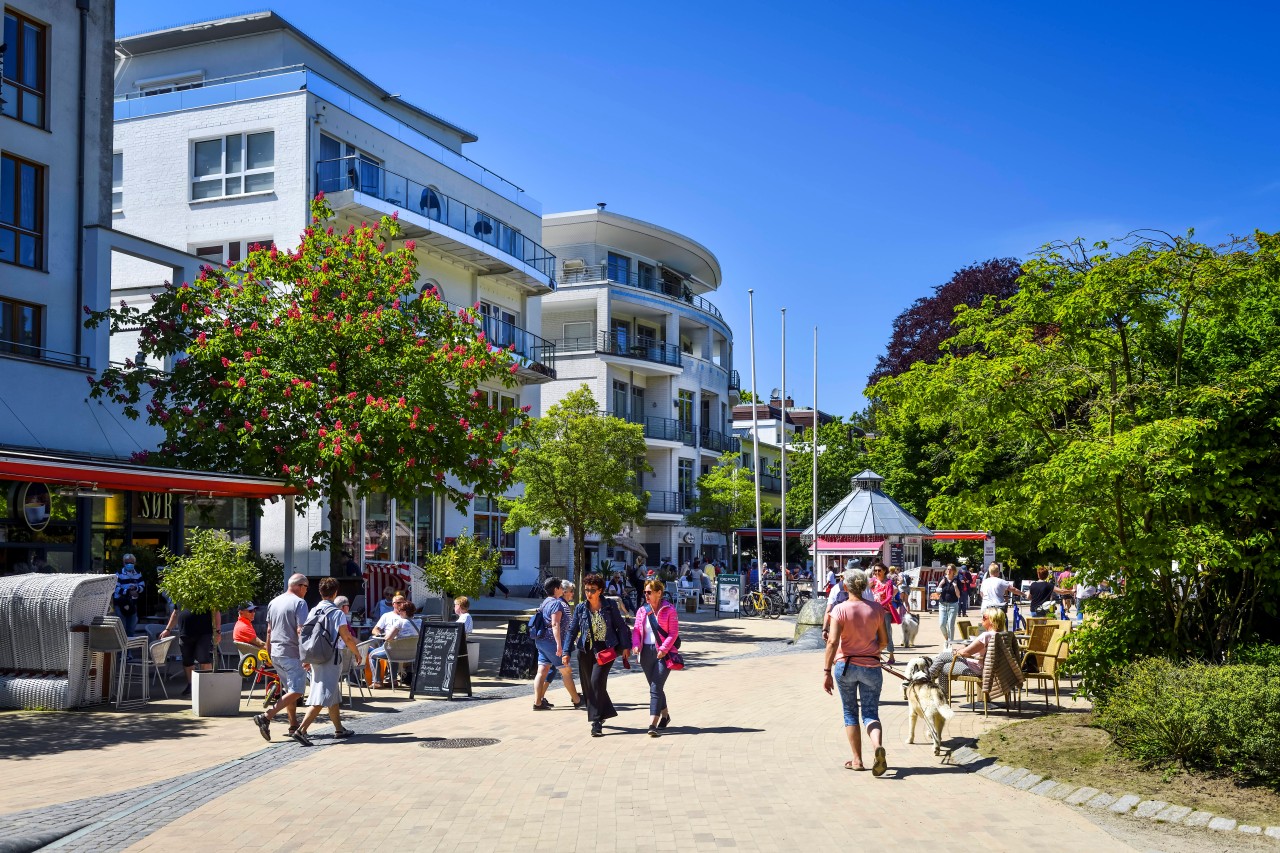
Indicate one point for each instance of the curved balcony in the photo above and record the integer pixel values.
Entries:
(440, 220)
(645, 349)
(601, 273)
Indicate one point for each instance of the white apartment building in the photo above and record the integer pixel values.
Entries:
(224, 131)
(629, 320)
(70, 500)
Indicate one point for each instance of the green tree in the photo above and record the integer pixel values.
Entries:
(215, 574)
(325, 368)
(726, 498)
(1125, 408)
(579, 470)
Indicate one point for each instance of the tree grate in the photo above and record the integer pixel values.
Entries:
(459, 742)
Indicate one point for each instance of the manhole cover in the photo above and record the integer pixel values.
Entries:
(459, 742)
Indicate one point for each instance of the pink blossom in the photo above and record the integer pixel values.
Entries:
(240, 382)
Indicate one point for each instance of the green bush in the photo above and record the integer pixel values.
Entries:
(1263, 654)
(1205, 717)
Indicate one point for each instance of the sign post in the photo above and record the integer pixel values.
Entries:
(728, 594)
(441, 665)
(988, 552)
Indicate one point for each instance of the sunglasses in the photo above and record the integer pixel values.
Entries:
(590, 589)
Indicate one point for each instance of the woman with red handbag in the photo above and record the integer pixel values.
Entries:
(600, 635)
(656, 633)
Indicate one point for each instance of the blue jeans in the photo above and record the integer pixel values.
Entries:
(859, 688)
(656, 672)
(947, 618)
(130, 621)
(888, 629)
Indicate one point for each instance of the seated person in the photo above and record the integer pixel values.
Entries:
(462, 609)
(386, 605)
(244, 631)
(614, 586)
(705, 582)
(398, 625)
(687, 580)
(344, 604)
(973, 655)
(391, 618)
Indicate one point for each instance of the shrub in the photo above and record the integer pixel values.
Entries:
(214, 574)
(1263, 654)
(1206, 717)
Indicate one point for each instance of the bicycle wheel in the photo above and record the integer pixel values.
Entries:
(776, 606)
(748, 605)
(272, 694)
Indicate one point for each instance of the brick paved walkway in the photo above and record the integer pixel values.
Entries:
(752, 760)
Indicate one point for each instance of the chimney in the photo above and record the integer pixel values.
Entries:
(791, 404)
(601, 205)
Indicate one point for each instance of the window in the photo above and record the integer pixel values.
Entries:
(577, 336)
(619, 268)
(25, 64)
(19, 328)
(117, 182)
(620, 399)
(21, 212)
(489, 519)
(648, 275)
(172, 83)
(233, 165)
(500, 325)
(227, 253)
(685, 405)
(345, 167)
(685, 480)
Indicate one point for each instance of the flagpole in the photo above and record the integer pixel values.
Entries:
(814, 438)
(782, 534)
(755, 438)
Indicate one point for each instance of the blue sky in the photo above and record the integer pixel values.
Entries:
(840, 159)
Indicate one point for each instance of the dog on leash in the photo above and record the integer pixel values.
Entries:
(910, 627)
(926, 702)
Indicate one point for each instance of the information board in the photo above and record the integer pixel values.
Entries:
(519, 655)
(895, 554)
(441, 666)
(728, 594)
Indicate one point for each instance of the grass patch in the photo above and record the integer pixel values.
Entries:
(1068, 748)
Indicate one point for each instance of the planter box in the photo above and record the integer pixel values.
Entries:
(215, 694)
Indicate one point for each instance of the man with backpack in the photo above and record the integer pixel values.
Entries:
(318, 646)
(964, 578)
(285, 616)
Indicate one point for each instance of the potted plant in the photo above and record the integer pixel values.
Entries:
(465, 567)
(214, 575)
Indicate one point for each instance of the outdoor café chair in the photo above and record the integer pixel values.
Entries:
(1000, 675)
(400, 650)
(160, 662)
(227, 652)
(352, 674)
(106, 635)
(1049, 666)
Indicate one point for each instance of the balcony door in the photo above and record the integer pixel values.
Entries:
(500, 325)
(346, 167)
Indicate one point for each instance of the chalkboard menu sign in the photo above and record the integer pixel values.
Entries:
(441, 665)
(519, 655)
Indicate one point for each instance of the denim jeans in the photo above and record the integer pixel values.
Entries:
(656, 672)
(947, 618)
(888, 629)
(859, 691)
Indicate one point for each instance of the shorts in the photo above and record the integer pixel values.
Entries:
(292, 675)
(196, 650)
(548, 654)
(859, 690)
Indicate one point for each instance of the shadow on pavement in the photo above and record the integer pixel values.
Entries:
(685, 730)
(34, 735)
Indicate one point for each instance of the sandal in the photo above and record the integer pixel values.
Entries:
(848, 765)
(880, 765)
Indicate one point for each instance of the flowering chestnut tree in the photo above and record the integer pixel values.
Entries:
(323, 367)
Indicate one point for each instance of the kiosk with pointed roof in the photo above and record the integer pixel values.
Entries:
(866, 523)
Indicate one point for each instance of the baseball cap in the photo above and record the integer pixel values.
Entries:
(250, 606)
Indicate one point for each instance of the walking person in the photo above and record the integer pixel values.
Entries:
(599, 634)
(326, 692)
(498, 585)
(286, 614)
(655, 634)
(996, 590)
(947, 594)
(858, 634)
(550, 646)
(884, 591)
(567, 589)
(965, 578)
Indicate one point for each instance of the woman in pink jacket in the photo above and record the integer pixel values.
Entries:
(655, 634)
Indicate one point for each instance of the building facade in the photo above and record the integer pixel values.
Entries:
(226, 129)
(630, 320)
(70, 500)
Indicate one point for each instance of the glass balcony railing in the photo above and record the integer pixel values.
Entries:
(668, 502)
(356, 173)
(652, 282)
(646, 349)
(538, 353)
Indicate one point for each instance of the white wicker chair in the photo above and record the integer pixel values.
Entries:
(45, 660)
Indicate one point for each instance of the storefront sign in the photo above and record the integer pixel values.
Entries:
(988, 551)
(154, 506)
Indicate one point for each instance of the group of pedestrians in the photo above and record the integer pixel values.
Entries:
(595, 632)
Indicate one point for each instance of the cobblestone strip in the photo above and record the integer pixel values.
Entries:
(114, 822)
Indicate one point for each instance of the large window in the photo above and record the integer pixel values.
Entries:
(362, 171)
(619, 268)
(21, 212)
(233, 165)
(489, 520)
(19, 328)
(227, 253)
(25, 69)
(117, 182)
(685, 480)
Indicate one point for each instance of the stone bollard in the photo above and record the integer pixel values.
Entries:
(810, 618)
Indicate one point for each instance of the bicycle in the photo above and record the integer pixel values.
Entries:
(537, 590)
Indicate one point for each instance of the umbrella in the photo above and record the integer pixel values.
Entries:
(626, 543)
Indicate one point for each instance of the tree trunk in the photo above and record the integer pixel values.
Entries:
(337, 500)
(579, 557)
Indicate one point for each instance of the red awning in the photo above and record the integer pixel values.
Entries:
(958, 534)
(122, 476)
(837, 547)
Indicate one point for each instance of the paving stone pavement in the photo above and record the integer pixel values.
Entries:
(755, 722)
